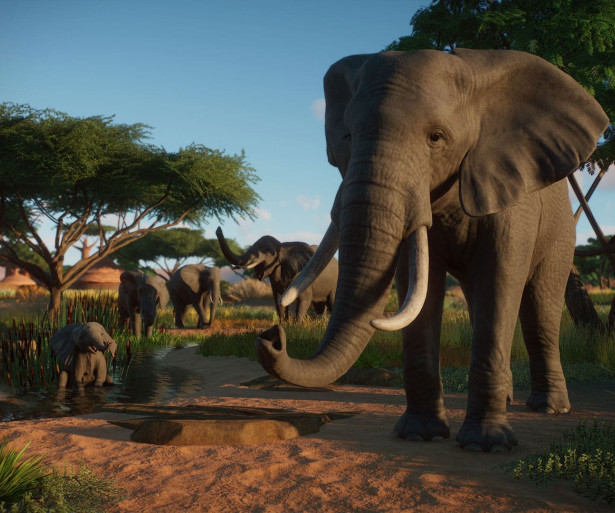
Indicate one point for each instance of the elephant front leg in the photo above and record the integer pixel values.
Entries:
(135, 322)
(200, 310)
(149, 330)
(180, 314)
(303, 304)
(425, 416)
(63, 379)
(485, 427)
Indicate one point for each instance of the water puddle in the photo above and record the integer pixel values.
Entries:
(146, 381)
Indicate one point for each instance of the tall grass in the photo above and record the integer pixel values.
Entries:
(584, 354)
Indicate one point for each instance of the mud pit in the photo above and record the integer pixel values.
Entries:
(193, 425)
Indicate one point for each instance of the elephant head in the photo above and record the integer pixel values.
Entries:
(149, 292)
(268, 254)
(91, 336)
(262, 256)
(403, 128)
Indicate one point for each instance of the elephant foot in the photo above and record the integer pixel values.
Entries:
(549, 402)
(417, 428)
(486, 436)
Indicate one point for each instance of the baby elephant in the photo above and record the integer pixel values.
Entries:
(81, 347)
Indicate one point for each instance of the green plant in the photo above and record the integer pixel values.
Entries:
(17, 476)
(584, 455)
(67, 491)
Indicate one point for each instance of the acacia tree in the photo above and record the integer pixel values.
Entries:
(168, 250)
(574, 35)
(74, 173)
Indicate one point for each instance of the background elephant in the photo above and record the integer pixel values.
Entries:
(195, 285)
(281, 262)
(139, 296)
(449, 162)
(81, 348)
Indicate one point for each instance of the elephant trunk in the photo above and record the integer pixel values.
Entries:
(214, 294)
(238, 260)
(371, 233)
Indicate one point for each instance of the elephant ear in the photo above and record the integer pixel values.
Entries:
(64, 341)
(163, 292)
(293, 258)
(340, 86)
(536, 125)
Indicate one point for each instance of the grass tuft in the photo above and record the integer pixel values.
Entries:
(18, 476)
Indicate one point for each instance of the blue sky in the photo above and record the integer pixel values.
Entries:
(232, 75)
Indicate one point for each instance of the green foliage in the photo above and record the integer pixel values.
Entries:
(17, 476)
(595, 269)
(67, 491)
(169, 249)
(574, 35)
(584, 455)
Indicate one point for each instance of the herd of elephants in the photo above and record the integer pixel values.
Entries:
(450, 163)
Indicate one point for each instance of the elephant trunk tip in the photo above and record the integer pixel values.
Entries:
(271, 350)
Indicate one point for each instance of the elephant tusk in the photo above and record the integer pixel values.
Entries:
(417, 286)
(321, 258)
(252, 265)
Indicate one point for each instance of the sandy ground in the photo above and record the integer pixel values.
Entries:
(351, 465)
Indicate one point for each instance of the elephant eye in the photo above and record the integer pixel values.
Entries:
(435, 136)
(347, 137)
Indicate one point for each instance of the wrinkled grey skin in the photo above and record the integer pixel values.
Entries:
(139, 297)
(281, 262)
(81, 348)
(474, 146)
(196, 285)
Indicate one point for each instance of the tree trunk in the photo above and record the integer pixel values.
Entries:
(579, 304)
(55, 302)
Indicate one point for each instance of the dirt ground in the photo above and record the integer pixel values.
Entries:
(354, 464)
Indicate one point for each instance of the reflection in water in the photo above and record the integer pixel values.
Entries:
(145, 381)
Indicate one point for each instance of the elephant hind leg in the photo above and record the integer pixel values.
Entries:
(540, 314)
(319, 308)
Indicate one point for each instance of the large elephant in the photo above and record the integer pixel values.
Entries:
(281, 262)
(81, 348)
(139, 297)
(449, 162)
(196, 285)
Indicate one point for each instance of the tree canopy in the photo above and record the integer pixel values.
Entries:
(78, 173)
(168, 250)
(575, 35)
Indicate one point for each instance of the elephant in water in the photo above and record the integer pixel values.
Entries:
(81, 348)
(196, 285)
(449, 163)
(281, 262)
(139, 297)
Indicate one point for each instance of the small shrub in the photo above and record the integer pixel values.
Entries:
(584, 455)
(18, 476)
(250, 289)
(67, 491)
